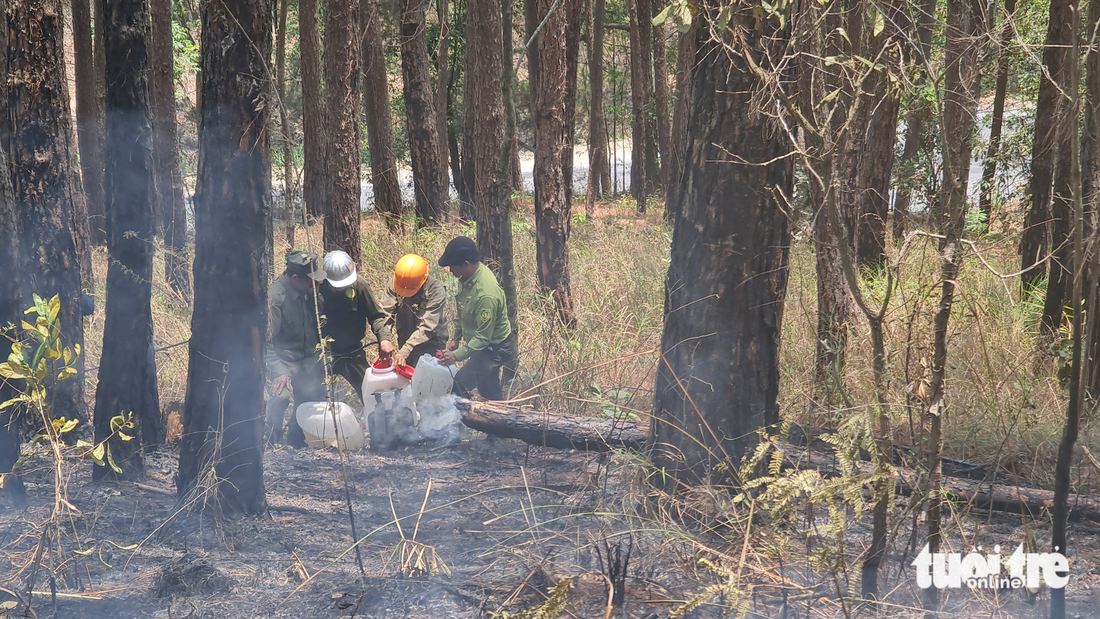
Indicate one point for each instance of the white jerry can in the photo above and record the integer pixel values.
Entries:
(388, 420)
(315, 418)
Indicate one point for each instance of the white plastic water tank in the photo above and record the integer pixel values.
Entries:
(315, 418)
(431, 379)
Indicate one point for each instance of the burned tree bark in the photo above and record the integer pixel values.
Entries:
(342, 93)
(315, 189)
(1035, 240)
(552, 429)
(127, 369)
(42, 166)
(549, 116)
(89, 120)
(171, 208)
(379, 118)
(685, 65)
(712, 395)
(223, 413)
(431, 194)
(599, 167)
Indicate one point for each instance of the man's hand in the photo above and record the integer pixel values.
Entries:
(399, 361)
(447, 358)
(385, 348)
(279, 384)
(453, 345)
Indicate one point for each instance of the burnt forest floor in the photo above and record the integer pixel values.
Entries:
(503, 524)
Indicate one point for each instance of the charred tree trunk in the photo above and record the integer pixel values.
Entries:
(223, 413)
(171, 207)
(685, 66)
(915, 119)
(551, 124)
(442, 81)
(483, 124)
(42, 168)
(730, 374)
(431, 195)
(127, 368)
(315, 137)
(379, 117)
(552, 429)
(1035, 240)
(11, 302)
(638, 140)
(342, 94)
(1004, 59)
(1065, 125)
(962, 81)
(660, 95)
(599, 167)
(89, 120)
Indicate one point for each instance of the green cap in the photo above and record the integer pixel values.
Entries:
(304, 263)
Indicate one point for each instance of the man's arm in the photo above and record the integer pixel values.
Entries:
(429, 317)
(376, 317)
(483, 309)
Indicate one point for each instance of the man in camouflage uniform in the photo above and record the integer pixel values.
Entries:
(414, 302)
(349, 306)
(482, 322)
(293, 357)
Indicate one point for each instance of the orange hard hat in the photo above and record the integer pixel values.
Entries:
(410, 274)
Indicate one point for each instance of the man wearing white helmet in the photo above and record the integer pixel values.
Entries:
(349, 305)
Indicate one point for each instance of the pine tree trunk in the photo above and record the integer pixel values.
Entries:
(551, 123)
(660, 96)
(89, 121)
(989, 167)
(962, 81)
(730, 374)
(645, 24)
(315, 190)
(127, 368)
(638, 139)
(342, 55)
(1035, 240)
(286, 141)
(431, 195)
(507, 273)
(1059, 281)
(915, 120)
(1090, 189)
(685, 64)
(442, 81)
(379, 117)
(11, 302)
(599, 167)
(223, 414)
(172, 209)
(40, 145)
(483, 121)
(574, 19)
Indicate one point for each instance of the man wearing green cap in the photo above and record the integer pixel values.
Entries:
(482, 322)
(292, 355)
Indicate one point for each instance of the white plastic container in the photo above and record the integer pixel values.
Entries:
(315, 418)
(385, 417)
(431, 379)
(379, 379)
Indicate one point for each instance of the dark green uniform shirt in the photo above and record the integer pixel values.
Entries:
(347, 312)
(482, 313)
(292, 324)
(418, 319)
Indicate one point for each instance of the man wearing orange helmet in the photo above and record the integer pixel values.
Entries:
(414, 303)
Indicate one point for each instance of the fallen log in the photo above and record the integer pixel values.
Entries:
(986, 495)
(553, 429)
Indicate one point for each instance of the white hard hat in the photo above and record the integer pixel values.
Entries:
(340, 269)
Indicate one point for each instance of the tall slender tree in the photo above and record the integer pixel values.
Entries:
(41, 167)
(599, 166)
(711, 396)
(483, 121)
(223, 413)
(442, 84)
(917, 117)
(89, 119)
(315, 136)
(660, 94)
(1035, 240)
(379, 117)
(638, 96)
(1090, 184)
(171, 208)
(286, 140)
(431, 194)
(505, 256)
(551, 124)
(342, 93)
(127, 368)
(996, 123)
